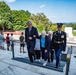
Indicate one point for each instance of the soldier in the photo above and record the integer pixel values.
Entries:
(59, 43)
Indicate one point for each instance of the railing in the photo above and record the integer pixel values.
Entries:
(12, 49)
(68, 58)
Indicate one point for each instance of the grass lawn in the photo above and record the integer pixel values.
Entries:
(74, 33)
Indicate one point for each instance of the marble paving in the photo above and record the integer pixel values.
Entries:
(12, 67)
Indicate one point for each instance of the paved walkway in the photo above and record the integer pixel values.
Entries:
(8, 66)
(72, 70)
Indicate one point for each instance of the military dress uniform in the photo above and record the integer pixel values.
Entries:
(59, 44)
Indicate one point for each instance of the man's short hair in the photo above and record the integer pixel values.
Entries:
(11, 33)
(22, 33)
(29, 22)
(8, 34)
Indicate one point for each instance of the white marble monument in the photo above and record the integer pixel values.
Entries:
(68, 30)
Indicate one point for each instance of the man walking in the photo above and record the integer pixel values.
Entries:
(59, 43)
(30, 35)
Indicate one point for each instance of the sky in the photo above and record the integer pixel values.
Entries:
(55, 10)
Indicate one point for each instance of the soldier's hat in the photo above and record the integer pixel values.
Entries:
(59, 25)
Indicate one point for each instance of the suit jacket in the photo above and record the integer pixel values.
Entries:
(32, 33)
(59, 38)
(50, 46)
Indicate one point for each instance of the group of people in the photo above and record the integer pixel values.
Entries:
(8, 39)
(45, 45)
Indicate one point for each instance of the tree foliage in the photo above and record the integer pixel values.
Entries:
(16, 19)
(4, 15)
(41, 21)
(72, 25)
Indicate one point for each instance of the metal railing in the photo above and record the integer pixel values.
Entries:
(12, 49)
(68, 58)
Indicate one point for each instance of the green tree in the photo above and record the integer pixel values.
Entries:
(4, 15)
(19, 19)
(40, 19)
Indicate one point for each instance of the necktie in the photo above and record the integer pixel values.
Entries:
(59, 32)
(29, 31)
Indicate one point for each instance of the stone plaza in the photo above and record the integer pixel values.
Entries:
(8, 66)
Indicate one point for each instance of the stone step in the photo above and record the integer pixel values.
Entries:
(50, 65)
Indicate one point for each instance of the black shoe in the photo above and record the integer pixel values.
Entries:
(8, 49)
(24, 52)
(31, 61)
(48, 61)
(20, 51)
(51, 60)
(57, 65)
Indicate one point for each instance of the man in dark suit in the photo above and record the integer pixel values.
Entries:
(30, 35)
(59, 43)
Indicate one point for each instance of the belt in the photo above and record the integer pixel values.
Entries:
(58, 42)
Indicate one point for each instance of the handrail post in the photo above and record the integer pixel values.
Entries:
(12, 48)
(68, 59)
(71, 49)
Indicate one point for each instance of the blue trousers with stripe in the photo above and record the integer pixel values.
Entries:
(57, 54)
